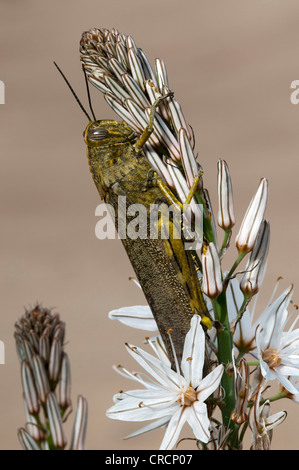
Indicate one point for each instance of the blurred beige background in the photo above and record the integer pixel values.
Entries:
(230, 64)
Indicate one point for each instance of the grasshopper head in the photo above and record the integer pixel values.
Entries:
(107, 133)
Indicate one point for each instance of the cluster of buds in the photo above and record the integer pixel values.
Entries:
(46, 381)
(121, 71)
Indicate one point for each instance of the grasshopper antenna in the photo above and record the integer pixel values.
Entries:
(73, 92)
(88, 93)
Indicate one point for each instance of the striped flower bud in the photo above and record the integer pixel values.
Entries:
(33, 427)
(55, 360)
(255, 268)
(226, 216)
(41, 378)
(189, 161)
(30, 393)
(55, 422)
(211, 270)
(252, 220)
(64, 389)
(26, 440)
(80, 425)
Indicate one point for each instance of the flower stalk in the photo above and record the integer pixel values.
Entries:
(225, 348)
(117, 67)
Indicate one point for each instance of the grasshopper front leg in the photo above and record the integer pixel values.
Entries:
(150, 127)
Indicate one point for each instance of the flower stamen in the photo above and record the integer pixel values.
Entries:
(187, 396)
(271, 357)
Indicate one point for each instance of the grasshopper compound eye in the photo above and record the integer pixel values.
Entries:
(97, 133)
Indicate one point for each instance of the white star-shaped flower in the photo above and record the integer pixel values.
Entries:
(171, 397)
(278, 350)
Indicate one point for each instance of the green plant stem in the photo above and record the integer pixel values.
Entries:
(276, 397)
(226, 237)
(253, 363)
(207, 220)
(234, 266)
(225, 346)
(246, 300)
(243, 430)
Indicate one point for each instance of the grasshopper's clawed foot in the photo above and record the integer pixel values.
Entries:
(150, 127)
(156, 103)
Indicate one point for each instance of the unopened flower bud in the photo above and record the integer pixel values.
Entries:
(41, 378)
(255, 269)
(55, 360)
(226, 216)
(188, 159)
(27, 441)
(64, 389)
(80, 425)
(212, 279)
(33, 426)
(30, 393)
(55, 421)
(250, 226)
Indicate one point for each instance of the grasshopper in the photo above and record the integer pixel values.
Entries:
(165, 270)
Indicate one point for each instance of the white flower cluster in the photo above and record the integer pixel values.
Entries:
(265, 341)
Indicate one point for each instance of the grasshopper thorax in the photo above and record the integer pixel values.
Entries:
(108, 132)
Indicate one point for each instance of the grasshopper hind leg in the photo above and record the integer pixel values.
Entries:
(174, 246)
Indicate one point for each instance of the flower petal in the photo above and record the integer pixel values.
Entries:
(149, 427)
(143, 405)
(174, 428)
(275, 320)
(137, 316)
(164, 375)
(193, 354)
(275, 420)
(209, 383)
(199, 421)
